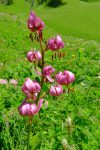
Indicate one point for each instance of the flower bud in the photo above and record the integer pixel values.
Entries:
(65, 78)
(34, 56)
(55, 43)
(56, 90)
(30, 88)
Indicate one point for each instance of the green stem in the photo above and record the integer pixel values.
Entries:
(29, 131)
(42, 66)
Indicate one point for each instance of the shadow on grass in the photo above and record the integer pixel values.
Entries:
(90, 0)
(55, 4)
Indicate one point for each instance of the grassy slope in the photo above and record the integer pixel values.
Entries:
(81, 58)
(76, 18)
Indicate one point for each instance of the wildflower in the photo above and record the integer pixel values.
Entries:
(65, 78)
(34, 56)
(3, 81)
(31, 88)
(56, 90)
(55, 43)
(14, 82)
(47, 71)
(35, 23)
(29, 109)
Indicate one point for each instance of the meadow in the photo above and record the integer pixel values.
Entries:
(78, 24)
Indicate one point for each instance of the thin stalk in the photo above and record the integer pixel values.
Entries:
(42, 66)
(29, 131)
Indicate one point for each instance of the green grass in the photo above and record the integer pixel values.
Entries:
(76, 18)
(78, 23)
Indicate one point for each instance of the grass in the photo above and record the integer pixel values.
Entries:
(78, 24)
(76, 18)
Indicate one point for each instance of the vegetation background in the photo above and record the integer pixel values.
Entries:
(78, 22)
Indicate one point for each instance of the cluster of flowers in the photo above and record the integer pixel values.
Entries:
(12, 81)
(32, 89)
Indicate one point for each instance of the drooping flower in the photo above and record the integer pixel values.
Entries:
(3, 81)
(35, 24)
(55, 43)
(47, 71)
(65, 78)
(29, 109)
(56, 90)
(33, 56)
(14, 82)
(31, 88)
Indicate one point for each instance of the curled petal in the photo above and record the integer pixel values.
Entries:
(59, 42)
(34, 56)
(55, 43)
(65, 78)
(40, 102)
(35, 24)
(29, 109)
(48, 70)
(31, 21)
(30, 88)
(37, 71)
(56, 90)
(49, 79)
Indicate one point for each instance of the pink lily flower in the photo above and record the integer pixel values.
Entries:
(33, 56)
(65, 78)
(35, 23)
(29, 109)
(56, 90)
(47, 71)
(55, 43)
(31, 88)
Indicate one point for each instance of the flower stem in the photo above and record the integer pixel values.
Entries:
(42, 66)
(29, 131)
